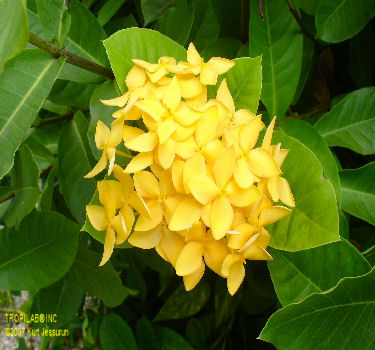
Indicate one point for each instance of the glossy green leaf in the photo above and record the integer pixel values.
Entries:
(341, 318)
(115, 333)
(23, 87)
(307, 134)
(314, 221)
(351, 122)
(55, 20)
(62, 299)
(309, 6)
(108, 10)
(182, 304)
(181, 16)
(75, 161)
(14, 32)
(226, 47)
(358, 192)
(45, 202)
(171, 340)
(338, 20)
(146, 335)
(85, 40)
(279, 39)
(99, 111)
(299, 274)
(47, 136)
(153, 9)
(25, 177)
(41, 154)
(32, 257)
(103, 282)
(138, 43)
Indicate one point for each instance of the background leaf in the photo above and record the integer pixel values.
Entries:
(153, 9)
(138, 43)
(351, 122)
(309, 6)
(108, 10)
(358, 192)
(314, 221)
(332, 317)
(279, 39)
(299, 274)
(23, 87)
(32, 257)
(14, 32)
(171, 340)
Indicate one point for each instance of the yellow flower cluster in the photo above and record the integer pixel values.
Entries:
(201, 190)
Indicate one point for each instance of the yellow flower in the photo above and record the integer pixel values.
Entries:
(157, 71)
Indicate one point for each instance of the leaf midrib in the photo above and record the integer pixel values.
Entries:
(348, 126)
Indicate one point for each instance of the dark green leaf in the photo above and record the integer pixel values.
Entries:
(171, 340)
(139, 43)
(14, 32)
(55, 19)
(279, 39)
(153, 9)
(41, 154)
(102, 282)
(299, 274)
(309, 6)
(32, 257)
(351, 122)
(45, 202)
(341, 318)
(146, 335)
(338, 20)
(358, 192)
(226, 47)
(115, 334)
(75, 160)
(108, 10)
(47, 136)
(182, 304)
(25, 177)
(23, 87)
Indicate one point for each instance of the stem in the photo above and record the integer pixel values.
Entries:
(68, 115)
(9, 196)
(294, 12)
(70, 57)
(123, 154)
(261, 9)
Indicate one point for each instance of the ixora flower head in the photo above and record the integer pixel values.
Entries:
(197, 188)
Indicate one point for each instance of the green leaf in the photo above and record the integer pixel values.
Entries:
(116, 334)
(14, 32)
(45, 202)
(99, 111)
(146, 335)
(171, 340)
(62, 299)
(299, 274)
(138, 43)
(307, 134)
(108, 10)
(351, 122)
(309, 6)
(25, 177)
(338, 20)
(153, 9)
(41, 154)
(47, 136)
(279, 39)
(23, 87)
(32, 257)
(75, 160)
(55, 19)
(314, 221)
(330, 320)
(84, 39)
(102, 282)
(358, 192)
(182, 304)
(223, 47)
(181, 16)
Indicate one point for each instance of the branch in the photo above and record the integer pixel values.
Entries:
(9, 196)
(68, 115)
(70, 57)
(294, 12)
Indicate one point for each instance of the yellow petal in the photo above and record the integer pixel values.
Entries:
(235, 278)
(151, 67)
(214, 255)
(160, 73)
(143, 143)
(273, 188)
(203, 188)
(115, 136)
(171, 244)
(132, 113)
(240, 235)
(130, 133)
(186, 213)
(124, 224)
(111, 154)
(155, 218)
(229, 260)
(186, 149)
(194, 166)
(208, 76)
(151, 106)
(97, 216)
(183, 132)
(109, 244)
(177, 175)
(240, 197)
(139, 162)
(197, 232)
(221, 217)
(270, 215)
(193, 56)
(189, 86)
(266, 145)
(242, 174)
(220, 65)
(286, 195)
(119, 101)
(190, 281)
(224, 96)
(255, 252)
(172, 95)
(212, 150)
(262, 164)
(205, 214)
(146, 239)
(165, 130)
(146, 185)
(242, 117)
(185, 115)
(166, 153)
(101, 135)
(250, 132)
(189, 259)
(137, 203)
(224, 166)
(206, 129)
(136, 77)
(198, 100)
(125, 179)
(99, 167)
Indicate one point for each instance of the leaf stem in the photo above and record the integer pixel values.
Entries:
(68, 115)
(123, 154)
(9, 196)
(70, 57)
